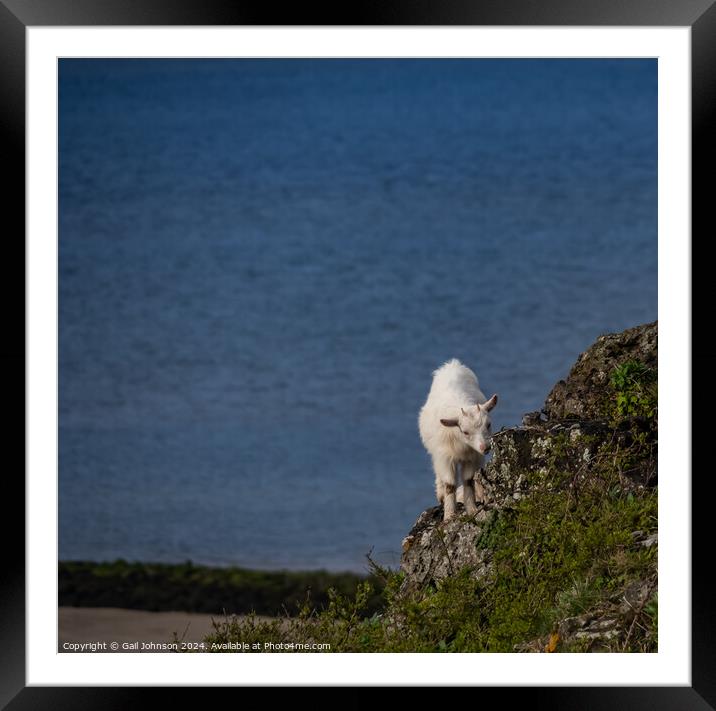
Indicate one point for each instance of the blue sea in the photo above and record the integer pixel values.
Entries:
(261, 262)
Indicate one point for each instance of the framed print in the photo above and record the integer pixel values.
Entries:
(249, 248)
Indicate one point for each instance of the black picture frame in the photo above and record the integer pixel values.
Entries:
(16, 15)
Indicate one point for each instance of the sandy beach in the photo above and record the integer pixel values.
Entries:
(106, 624)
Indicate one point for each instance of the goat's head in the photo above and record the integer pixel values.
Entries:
(475, 425)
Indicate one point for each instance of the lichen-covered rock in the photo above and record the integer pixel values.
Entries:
(585, 393)
(593, 628)
(435, 549)
(523, 456)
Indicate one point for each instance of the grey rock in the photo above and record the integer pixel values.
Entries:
(533, 419)
(523, 452)
(590, 627)
(652, 540)
(634, 597)
(644, 540)
(435, 549)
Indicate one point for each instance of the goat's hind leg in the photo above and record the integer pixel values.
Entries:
(440, 491)
(445, 485)
(468, 488)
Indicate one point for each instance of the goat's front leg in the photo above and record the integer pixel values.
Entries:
(469, 469)
(445, 485)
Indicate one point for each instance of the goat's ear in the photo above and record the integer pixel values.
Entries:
(449, 423)
(463, 412)
(490, 403)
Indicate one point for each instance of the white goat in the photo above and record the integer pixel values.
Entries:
(455, 428)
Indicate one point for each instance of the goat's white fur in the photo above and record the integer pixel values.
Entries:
(454, 426)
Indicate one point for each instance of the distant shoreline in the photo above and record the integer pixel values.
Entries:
(166, 587)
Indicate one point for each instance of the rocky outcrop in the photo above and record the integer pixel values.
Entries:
(560, 454)
(525, 455)
(433, 549)
(561, 447)
(585, 392)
